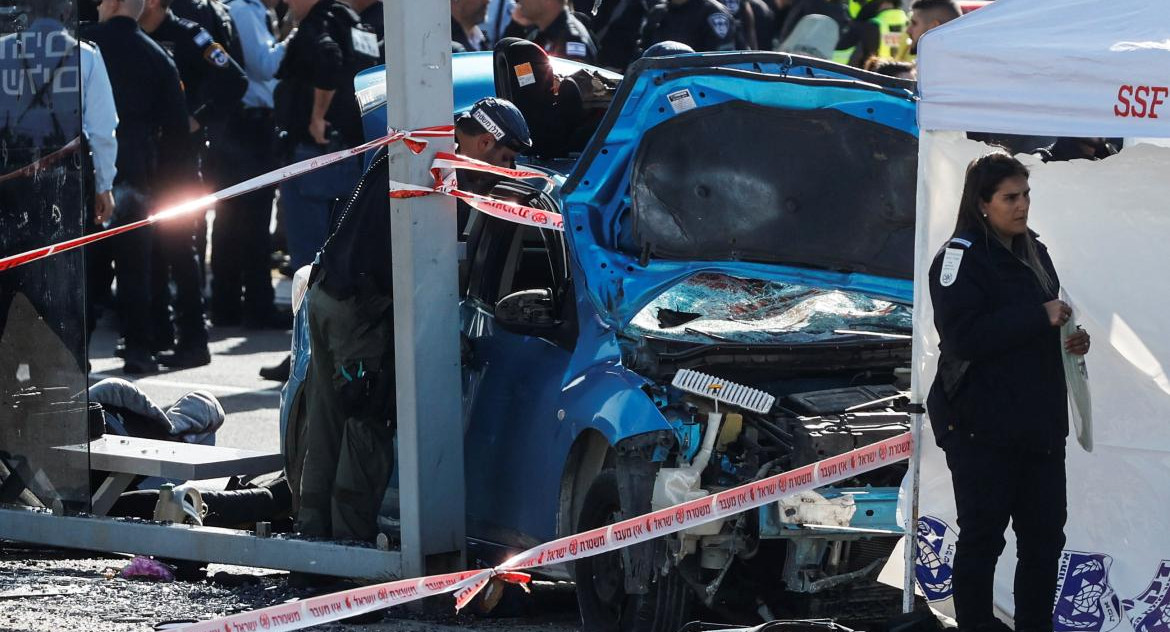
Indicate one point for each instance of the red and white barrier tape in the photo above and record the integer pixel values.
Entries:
(415, 141)
(466, 585)
(444, 184)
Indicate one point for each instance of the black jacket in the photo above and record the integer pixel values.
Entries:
(1001, 375)
(325, 54)
(356, 257)
(152, 131)
(567, 38)
(704, 25)
(212, 80)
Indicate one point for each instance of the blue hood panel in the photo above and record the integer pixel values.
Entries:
(597, 195)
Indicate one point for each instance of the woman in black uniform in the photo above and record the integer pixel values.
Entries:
(998, 405)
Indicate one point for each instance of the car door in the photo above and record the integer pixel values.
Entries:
(512, 386)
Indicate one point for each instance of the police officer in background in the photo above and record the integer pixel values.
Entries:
(704, 25)
(241, 280)
(213, 16)
(553, 27)
(998, 405)
(317, 112)
(152, 151)
(214, 84)
(615, 25)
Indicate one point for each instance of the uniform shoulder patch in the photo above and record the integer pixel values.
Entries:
(216, 55)
(720, 24)
(950, 266)
(576, 49)
(959, 242)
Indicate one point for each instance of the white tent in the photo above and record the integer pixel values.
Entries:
(1068, 68)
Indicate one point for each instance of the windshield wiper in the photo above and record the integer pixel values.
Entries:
(879, 334)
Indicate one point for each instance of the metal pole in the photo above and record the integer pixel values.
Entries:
(911, 541)
(426, 311)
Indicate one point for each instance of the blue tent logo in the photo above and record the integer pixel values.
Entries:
(936, 554)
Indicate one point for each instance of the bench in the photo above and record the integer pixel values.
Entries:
(127, 457)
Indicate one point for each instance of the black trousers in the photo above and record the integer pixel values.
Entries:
(241, 280)
(129, 254)
(992, 485)
(174, 258)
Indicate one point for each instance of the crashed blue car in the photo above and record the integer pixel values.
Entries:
(747, 217)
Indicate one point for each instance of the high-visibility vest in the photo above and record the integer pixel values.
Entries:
(892, 39)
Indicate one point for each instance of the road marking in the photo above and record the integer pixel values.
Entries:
(197, 386)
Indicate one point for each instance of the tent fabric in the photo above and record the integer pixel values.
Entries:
(1050, 68)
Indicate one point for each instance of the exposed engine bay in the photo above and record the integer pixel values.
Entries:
(855, 394)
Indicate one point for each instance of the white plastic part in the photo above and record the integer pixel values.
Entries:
(723, 391)
(812, 508)
(676, 485)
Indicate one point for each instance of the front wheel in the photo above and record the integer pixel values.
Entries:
(605, 606)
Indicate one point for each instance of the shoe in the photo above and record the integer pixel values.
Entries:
(120, 347)
(139, 362)
(278, 373)
(185, 358)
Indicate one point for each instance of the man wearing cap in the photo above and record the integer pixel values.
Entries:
(348, 423)
(494, 131)
(555, 29)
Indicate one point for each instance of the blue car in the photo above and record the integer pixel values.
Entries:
(742, 217)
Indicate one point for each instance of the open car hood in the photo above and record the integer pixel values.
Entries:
(754, 165)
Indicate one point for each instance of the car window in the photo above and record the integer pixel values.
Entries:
(504, 257)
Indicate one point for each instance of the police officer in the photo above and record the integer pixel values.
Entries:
(317, 112)
(241, 279)
(554, 28)
(216, 19)
(214, 84)
(704, 25)
(998, 404)
(152, 149)
(615, 25)
(350, 404)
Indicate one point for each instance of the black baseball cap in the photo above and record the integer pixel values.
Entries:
(502, 120)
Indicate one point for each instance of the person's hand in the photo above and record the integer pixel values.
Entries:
(1078, 343)
(103, 207)
(193, 124)
(1058, 312)
(317, 131)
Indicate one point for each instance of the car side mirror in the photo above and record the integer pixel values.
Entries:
(528, 313)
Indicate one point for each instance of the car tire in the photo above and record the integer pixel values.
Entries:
(601, 596)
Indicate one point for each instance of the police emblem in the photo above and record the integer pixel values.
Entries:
(936, 553)
(1085, 600)
(216, 56)
(720, 23)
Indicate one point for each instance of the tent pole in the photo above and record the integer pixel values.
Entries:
(911, 536)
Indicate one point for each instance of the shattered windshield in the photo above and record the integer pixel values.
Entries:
(710, 307)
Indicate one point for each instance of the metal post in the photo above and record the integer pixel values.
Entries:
(426, 316)
(910, 558)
